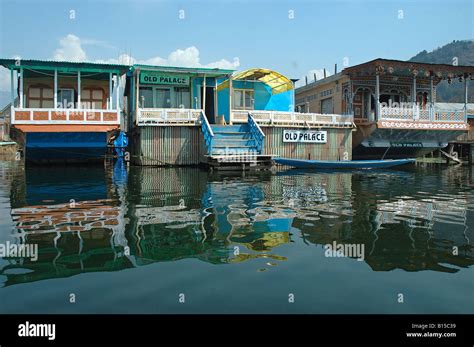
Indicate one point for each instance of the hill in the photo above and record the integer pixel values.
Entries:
(463, 51)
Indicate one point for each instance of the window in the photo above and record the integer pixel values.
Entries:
(182, 97)
(326, 106)
(146, 97)
(301, 108)
(346, 101)
(243, 99)
(162, 98)
(326, 92)
(65, 98)
(92, 98)
(40, 97)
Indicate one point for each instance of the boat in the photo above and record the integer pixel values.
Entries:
(340, 165)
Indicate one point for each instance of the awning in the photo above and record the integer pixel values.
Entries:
(276, 81)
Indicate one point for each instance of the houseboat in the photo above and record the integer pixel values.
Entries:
(63, 111)
(394, 106)
(267, 98)
(225, 119)
(166, 107)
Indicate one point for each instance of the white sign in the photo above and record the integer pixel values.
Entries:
(307, 136)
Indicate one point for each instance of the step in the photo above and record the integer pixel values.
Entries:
(231, 132)
(230, 128)
(233, 146)
(232, 136)
(230, 141)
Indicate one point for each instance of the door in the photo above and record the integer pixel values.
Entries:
(209, 107)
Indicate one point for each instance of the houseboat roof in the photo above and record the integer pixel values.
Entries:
(208, 71)
(62, 66)
(328, 79)
(408, 68)
(275, 80)
(397, 68)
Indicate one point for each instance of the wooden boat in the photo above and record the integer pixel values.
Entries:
(340, 165)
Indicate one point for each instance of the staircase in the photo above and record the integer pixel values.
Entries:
(233, 140)
(235, 147)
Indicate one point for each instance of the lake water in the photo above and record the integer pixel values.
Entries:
(183, 240)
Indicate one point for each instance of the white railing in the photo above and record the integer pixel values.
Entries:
(282, 118)
(167, 116)
(428, 114)
(63, 116)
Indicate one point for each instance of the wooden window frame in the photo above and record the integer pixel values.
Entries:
(40, 98)
(91, 100)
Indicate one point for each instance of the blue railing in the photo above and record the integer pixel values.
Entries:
(207, 132)
(257, 133)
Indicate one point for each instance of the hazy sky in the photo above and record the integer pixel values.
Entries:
(292, 37)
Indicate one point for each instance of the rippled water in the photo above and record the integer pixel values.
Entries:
(133, 240)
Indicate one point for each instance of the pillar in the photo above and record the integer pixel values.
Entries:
(231, 91)
(191, 93)
(117, 91)
(110, 91)
(79, 89)
(55, 88)
(415, 113)
(466, 76)
(203, 106)
(431, 98)
(216, 104)
(377, 96)
(137, 100)
(12, 87)
(21, 87)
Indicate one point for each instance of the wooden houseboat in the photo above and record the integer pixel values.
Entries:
(166, 106)
(394, 106)
(63, 111)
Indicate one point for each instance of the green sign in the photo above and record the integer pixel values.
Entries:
(148, 77)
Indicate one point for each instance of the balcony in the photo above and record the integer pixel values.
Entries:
(436, 117)
(168, 116)
(64, 116)
(281, 118)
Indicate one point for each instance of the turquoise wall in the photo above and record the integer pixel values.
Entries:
(223, 103)
(263, 98)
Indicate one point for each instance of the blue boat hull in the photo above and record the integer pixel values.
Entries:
(65, 147)
(341, 165)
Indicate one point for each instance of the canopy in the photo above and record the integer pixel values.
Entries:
(276, 81)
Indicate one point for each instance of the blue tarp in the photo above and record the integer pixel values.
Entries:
(120, 144)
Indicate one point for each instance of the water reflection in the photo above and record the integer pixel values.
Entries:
(113, 218)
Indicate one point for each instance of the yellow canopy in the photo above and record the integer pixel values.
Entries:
(276, 81)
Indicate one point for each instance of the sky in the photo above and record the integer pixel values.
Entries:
(296, 38)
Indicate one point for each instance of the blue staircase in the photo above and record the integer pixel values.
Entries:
(233, 140)
(231, 147)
